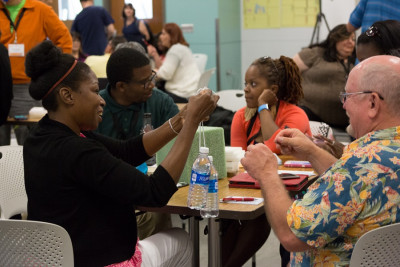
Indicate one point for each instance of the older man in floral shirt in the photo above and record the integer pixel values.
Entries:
(355, 194)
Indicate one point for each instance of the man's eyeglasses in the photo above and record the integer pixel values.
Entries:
(152, 79)
(343, 95)
(372, 31)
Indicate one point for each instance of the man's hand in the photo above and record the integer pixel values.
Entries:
(295, 143)
(260, 162)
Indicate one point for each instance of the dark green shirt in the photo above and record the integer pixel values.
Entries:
(160, 105)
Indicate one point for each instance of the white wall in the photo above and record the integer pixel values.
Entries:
(288, 41)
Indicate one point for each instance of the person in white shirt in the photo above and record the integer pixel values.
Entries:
(178, 68)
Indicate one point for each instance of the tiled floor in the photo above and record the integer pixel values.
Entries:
(267, 256)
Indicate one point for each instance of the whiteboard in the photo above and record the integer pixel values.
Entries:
(256, 43)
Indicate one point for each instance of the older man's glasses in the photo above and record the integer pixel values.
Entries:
(147, 83)
(343, 95)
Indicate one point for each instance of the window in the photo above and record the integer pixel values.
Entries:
(143, 8)
(68, 9)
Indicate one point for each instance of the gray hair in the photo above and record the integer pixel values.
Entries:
(134, 45)
(384, 80)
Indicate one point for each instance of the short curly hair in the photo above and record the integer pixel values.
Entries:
(121, 63)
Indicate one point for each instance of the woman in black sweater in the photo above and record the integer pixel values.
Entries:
(86, 182)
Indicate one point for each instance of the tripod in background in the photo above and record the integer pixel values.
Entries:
(320, 16)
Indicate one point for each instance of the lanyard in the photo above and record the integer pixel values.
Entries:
(346, 69)
(15, 26)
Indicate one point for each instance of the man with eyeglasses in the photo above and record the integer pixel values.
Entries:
(354, 194)
(129, 94)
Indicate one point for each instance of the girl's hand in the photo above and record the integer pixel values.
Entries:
(267, 97)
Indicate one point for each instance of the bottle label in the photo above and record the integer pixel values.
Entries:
(200, 178)
(213, 186)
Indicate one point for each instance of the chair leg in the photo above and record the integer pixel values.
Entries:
(253, 260)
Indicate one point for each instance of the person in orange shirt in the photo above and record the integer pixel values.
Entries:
(24, 24)
(272, 90)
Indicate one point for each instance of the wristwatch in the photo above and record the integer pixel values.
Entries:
(262, 107)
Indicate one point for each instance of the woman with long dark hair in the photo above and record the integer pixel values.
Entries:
(324, 68)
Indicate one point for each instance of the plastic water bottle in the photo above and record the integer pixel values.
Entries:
(148, 127)
(211, 209)
(199, 180)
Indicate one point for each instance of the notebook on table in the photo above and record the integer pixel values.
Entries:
(244, 180)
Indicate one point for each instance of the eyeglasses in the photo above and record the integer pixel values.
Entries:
(343, 95)
(265, 59)
(372, 31)
(152, 79)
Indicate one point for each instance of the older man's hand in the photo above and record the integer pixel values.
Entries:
(295, 143)
(260, 162)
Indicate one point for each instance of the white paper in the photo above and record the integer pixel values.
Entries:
(309, 173)
(256, 201)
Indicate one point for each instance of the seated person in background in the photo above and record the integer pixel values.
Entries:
(98, 63)
(129, 94)
(179, 68)
(382, 38)
(353, 195)
(379, 39)
(77, 51)
(86, 182)
(272, 90)
(324, 68)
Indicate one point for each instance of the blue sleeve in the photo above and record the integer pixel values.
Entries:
(73, 27)
(357, 15)
(107, 19)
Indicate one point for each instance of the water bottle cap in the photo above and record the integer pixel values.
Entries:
(210, 158)
(204, 150)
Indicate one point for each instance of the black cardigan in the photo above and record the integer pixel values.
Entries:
(90, 186)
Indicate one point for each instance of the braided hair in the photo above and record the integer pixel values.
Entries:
(284, 73)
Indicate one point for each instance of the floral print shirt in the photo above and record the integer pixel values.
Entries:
(358, 193)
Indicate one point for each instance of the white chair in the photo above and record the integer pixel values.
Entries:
(205, 78)
(378, 247)
(13, 198)
(231, 99)
(32, 243)
(201, 61)
(321, 128)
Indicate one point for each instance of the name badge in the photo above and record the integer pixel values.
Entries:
(16, 50)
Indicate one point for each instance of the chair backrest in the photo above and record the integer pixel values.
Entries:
(32, 243)
(13, 198)
(321, 128)
(201, 61)
(232, 99)
(205, 78)
(378, 247)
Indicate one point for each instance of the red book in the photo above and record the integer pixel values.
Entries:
(244, 180)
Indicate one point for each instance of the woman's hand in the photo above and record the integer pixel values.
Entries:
(152, 51)
(267, 97)
(333, 147)
(201, 106)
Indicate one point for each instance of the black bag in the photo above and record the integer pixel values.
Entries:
(222, 117)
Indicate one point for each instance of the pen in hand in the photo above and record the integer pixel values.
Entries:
(226, 199)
